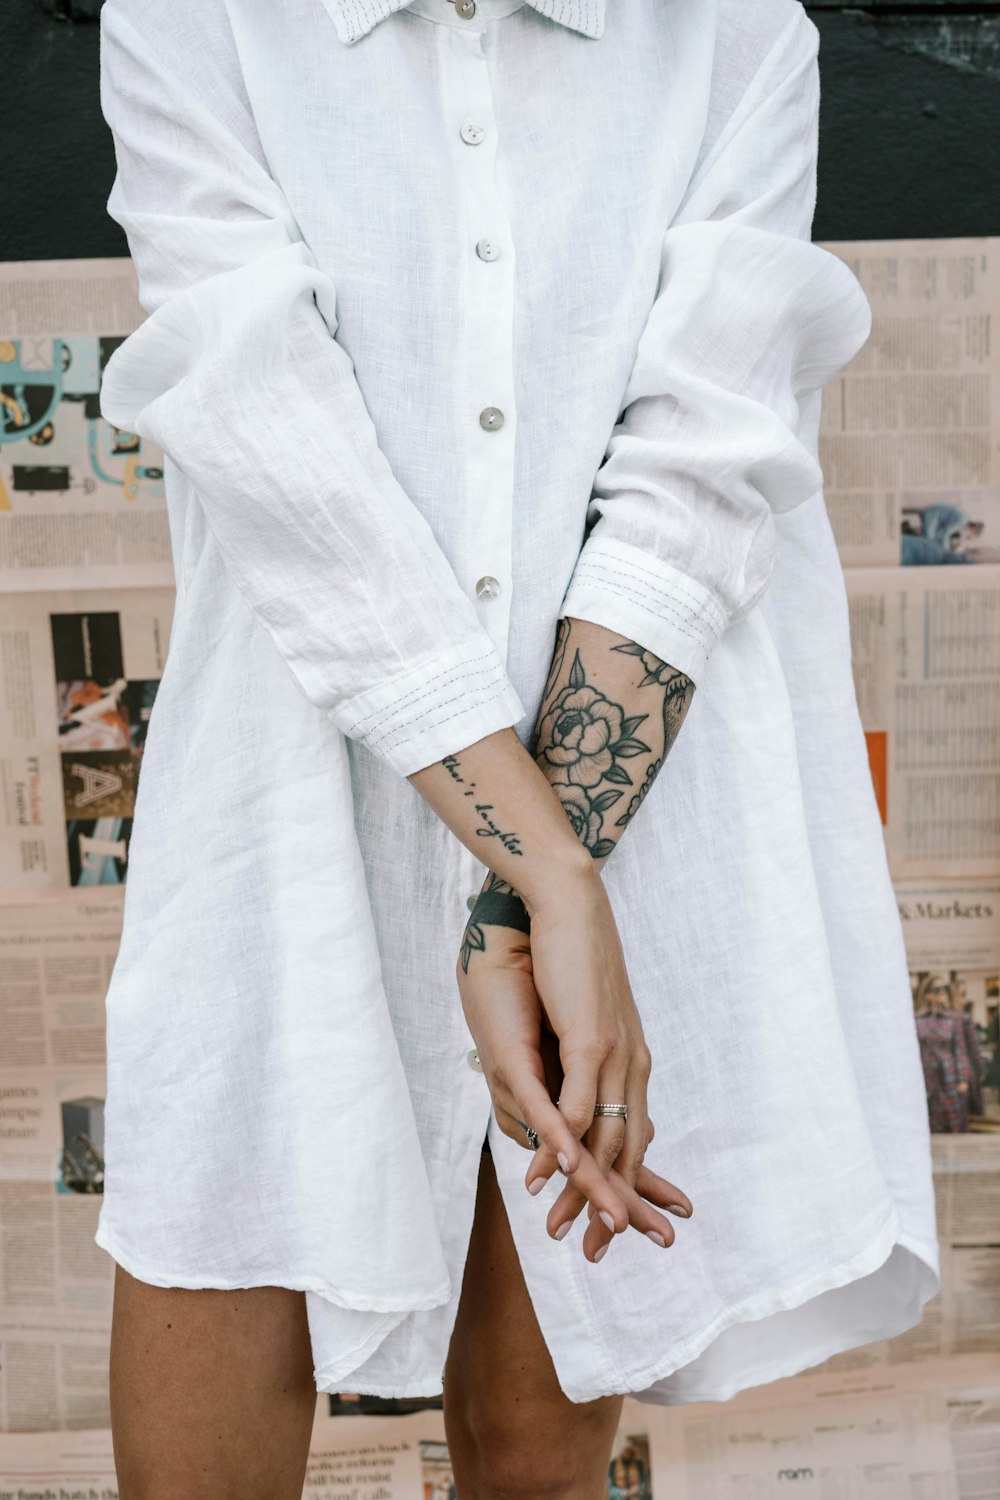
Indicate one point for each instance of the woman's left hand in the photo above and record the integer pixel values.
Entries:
(519, 1055)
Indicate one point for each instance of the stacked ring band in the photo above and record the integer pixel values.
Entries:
(620, 1110)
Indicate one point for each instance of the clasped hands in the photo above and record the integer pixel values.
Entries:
(553, 1018)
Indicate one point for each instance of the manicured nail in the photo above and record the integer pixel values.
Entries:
(563, 1161)
(536, 1184)
(607, 1220)
(557, 1234)
(657, 1239)
(599, 1252)
(678, 1208)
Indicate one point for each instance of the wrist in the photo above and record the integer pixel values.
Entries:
(566, 869)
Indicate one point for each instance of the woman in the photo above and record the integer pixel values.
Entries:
(948, 1069)
(486, 345)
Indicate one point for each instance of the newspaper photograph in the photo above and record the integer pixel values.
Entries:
(80, 673)
(82, 504)
(952, 934)
(910, 430)
(925, 647)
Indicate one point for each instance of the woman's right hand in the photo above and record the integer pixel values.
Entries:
(579, 971)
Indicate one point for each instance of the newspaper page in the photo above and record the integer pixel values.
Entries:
(951, 929)
(909, 430)
(902, 1435)
(82, 504)
(80, 672)
(926, 655)
(56, 1284)
(916, 1434)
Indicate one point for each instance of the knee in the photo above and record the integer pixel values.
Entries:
(517, 1454)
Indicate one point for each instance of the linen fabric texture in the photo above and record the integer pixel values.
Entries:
(303, 187)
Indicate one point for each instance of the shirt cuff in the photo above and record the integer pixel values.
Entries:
(445, 703)
(648, 600)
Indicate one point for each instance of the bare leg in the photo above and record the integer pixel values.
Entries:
(212, 1392)
(512, 1433)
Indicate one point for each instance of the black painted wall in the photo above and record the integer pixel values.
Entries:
(909, 130)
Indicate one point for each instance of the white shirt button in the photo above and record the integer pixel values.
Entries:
(472, 1058)
(491, 418)
(472, 134)
(470, 901)
(487, 587)
(465, 8)
(487, 249)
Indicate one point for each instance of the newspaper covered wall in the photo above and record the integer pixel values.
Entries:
(892, 1433)
(910, 442)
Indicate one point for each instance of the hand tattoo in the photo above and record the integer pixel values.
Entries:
(497, 905)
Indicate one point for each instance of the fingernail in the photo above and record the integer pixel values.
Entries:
(536, 1184)
(607, 1220)
(558, 1234)
(601, 1251)
(563, 1161)
(678, 1208)
(657, 1239)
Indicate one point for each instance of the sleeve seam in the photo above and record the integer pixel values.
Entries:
(684, 622)
(705, 605)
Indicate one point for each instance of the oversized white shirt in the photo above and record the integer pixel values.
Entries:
(459, 321)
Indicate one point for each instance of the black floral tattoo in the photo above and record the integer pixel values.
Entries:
(584, 737)
(583, 741)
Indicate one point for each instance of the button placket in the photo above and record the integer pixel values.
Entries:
(489, 346)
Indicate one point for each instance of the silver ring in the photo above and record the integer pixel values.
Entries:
(621, 1110)
(533, 1140)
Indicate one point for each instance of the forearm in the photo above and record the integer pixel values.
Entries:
(495, 798)
(609, 715)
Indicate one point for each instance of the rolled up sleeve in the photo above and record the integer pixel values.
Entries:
(717, 428)
(237, 375)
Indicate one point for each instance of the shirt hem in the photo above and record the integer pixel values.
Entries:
(294, 1283)
(862, 1263)
(762, 1305)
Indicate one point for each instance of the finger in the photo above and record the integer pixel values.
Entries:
(664, 1194)
(529, 1101)
(636, 1138)
(578, 1095)
(581, 1092)
(583, 1080)
(658, 1190)
(642, 1216)
(514, 1128)
(606, 1139)
(543, 1164)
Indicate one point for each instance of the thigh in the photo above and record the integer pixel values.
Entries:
(510, 1427)
(212, 1392)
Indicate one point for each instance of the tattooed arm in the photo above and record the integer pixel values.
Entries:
(496, 797)
(609, 714)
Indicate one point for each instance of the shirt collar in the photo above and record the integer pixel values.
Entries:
(353, 19)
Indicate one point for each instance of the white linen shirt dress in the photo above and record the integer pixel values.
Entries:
(462, 317)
